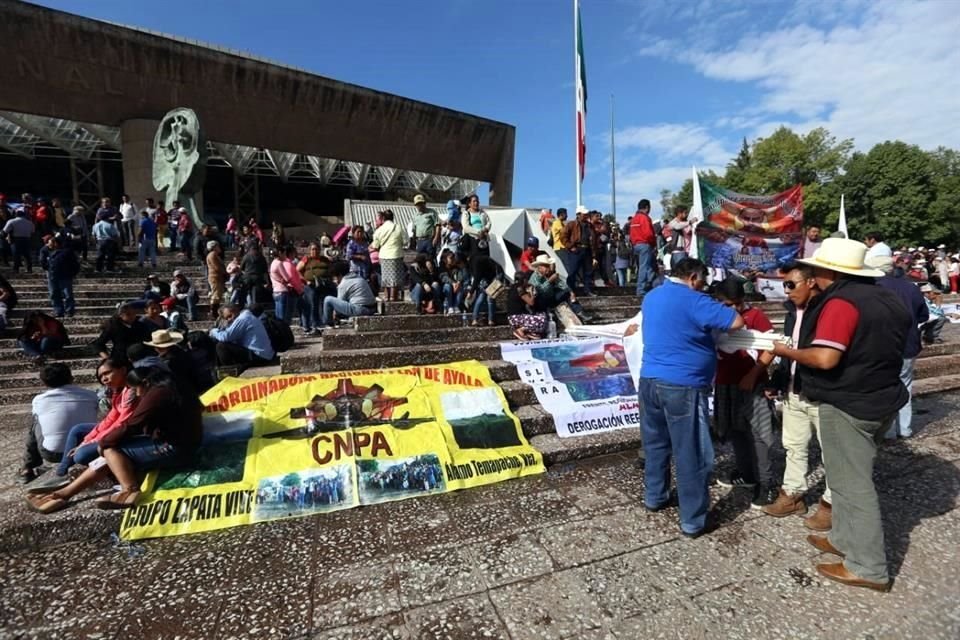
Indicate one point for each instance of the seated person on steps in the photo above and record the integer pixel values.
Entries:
(53, 413)
(243, 340)
(354, 296)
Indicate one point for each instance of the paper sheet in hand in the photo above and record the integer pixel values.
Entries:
(748, 340)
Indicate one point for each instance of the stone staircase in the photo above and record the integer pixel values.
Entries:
(398, 338)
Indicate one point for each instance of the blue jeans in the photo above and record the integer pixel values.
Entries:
(645, 272)
(572, 262)
(61, 295)
(40, 347)
(21, 252)
(674, 422)
(148, 249)
(481, 299)
(676, 257)
(418, 295)
(902, 422)
(85, 454)
(146, 453)
(453, 300)
(309, 309)
(622, 277)
(343, 309)
(426, 246)
(282, 308)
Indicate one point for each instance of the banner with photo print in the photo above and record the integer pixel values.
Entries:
(584, 384)
(749, 232)
(296, 445)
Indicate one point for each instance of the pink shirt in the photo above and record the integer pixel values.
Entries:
(120, 410)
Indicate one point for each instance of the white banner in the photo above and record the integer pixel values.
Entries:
(585, 384)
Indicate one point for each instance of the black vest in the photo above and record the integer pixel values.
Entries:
(866, 383)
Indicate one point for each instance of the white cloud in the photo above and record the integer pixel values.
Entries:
(675, 141)
(889, 74)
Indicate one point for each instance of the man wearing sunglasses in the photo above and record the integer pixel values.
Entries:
(849, 356)
(800, 415)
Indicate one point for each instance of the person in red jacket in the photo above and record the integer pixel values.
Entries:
(644, 242)
(529, 254)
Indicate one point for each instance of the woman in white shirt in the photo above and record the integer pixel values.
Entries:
(389, 240)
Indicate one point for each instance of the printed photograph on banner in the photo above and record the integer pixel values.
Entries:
(221, 458)
(478, 420)
(386, 480)
(746, 232)
(304, 492)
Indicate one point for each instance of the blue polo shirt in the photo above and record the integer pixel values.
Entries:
(149, 229)
(677, 326)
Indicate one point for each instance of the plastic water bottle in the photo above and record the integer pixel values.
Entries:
(463, 320)
(551, 328)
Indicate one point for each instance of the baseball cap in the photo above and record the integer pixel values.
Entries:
(533, 242)
(177, 272)
(927, 288)
(168, 302)
(419, 199)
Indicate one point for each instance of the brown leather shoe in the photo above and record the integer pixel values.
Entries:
(822, 544)
(786, 505)
(838, 573)
(822, 518)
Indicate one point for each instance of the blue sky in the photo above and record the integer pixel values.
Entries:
(691, 78)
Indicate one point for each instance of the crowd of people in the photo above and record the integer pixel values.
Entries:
(856, 320)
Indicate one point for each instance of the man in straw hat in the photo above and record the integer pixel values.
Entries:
(849, 355)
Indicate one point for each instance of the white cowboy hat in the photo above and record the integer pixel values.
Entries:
(842, 256)
(163, 339)
(542, 260)
(582, 209)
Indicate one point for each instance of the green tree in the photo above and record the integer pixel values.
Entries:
(890, 189)
(666, 202)
(290, 480)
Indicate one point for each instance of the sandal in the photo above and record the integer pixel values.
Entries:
(475, 323)
(124, 499)
(47, 504)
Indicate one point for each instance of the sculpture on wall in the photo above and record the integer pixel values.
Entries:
(180, 160)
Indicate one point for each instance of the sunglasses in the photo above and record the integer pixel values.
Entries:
(789, 285)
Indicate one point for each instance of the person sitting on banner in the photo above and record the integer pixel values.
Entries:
(164, 430)
(526, 324)
(550, 290)
(742, 412)
(425, 290)
(243, 340)
(354, 296)
(938, 317)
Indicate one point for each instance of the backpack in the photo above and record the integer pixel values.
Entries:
(279, 332)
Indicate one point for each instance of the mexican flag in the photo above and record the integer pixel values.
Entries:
(581, 97)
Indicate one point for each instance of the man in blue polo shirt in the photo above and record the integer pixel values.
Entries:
(677, 370)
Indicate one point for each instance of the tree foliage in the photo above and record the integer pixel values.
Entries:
(910, 195)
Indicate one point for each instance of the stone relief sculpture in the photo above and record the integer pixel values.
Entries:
(180, 160)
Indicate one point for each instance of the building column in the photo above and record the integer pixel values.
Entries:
(501, 188)
(136, 145)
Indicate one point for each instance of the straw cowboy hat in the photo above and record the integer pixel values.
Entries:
(163, 339)
(842, 256)
(542, 260)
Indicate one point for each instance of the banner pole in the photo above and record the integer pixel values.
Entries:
(576, 99)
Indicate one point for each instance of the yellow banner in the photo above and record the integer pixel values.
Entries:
(297, 445)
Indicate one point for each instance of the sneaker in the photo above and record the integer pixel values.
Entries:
(736, 481)
(764, 496)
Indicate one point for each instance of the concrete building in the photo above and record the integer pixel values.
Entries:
(79, 113)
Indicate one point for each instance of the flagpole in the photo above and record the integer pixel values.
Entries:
(576, 100)
(613, 164)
